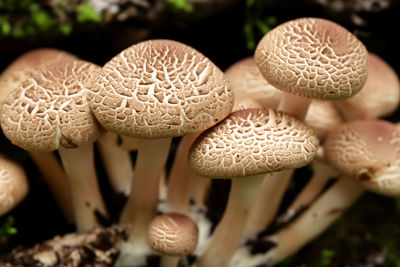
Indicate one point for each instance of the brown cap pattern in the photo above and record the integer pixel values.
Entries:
(51, 109)
(13, 184)
(368, 150)
(253, 141)
(313, 57)
(160, 88)
(173, 234)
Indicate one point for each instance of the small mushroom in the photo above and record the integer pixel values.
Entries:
(311, 58)
(174, 235)
(244, 147)
(13, 185)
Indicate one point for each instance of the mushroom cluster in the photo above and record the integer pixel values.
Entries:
(305, 98)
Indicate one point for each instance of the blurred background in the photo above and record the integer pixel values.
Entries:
(225, 31)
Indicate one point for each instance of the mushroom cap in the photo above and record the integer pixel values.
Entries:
(323, 117)
(380, 95)
(369, 151)
(313, 57)
(253, 141)
(246, 81)
(160, 88)
(18, 71)
(13, 184)
(246, 103)
(173, 234)
(50, 108)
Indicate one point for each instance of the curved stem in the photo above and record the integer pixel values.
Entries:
(179, 182)
(87, 202)
(226, 236)
(142, 202)
(322, 174)
(269, 198)
(55, 177)
(294, 105)
(118, 165)
(199, 189)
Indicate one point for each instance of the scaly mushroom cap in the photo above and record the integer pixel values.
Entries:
(323, 117)
(51, 108)
(160, 88)
(13, 185)
(18, 71)
(246, 81)
(253, 141)
(369, 151)
(173, 234)
(380, 95)
(313, 57)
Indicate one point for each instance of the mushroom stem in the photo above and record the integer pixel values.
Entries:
(227, 234)
(141, 205)
(169, 261)
(55, 178)
(118, 165)
(294, 105)
(322, 213)
(270, 196)
(179, 182)
(322, 174)
(79, 167)
(199, 189)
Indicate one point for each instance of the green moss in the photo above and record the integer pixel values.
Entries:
(7, 229)
(85, 13)
(179, 6)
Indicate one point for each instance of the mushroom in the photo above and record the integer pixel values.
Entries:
(13, 185)
(49, 111)
(367, 154)
(380, 95)
(12, 77)
(247, 82)
(153, 91)
(311, 58)
(244, 147)
(174, 235)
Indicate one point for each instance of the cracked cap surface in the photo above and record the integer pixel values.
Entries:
(51, 109)
(160, 88)
(253, 141)
(313, 57)
(369, 151)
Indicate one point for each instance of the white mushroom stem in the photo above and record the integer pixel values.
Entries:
(55, 178)
(169, 261)
(294, 105)
(199, 189)
(227, 234)
(179, 182)
(79, 167)
(322, 213)
(270, 196)
(118, 165)
(321, 176)
(142, 203)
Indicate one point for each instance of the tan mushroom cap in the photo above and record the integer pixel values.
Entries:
(18, 71)
(369, 151)
(160, 88)
(313, 57)
(13, 184)
(173, 234)
(246, 81)
(51, 109)
(323, 117)
(246, 103)
(380, 95)
(251, 142)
